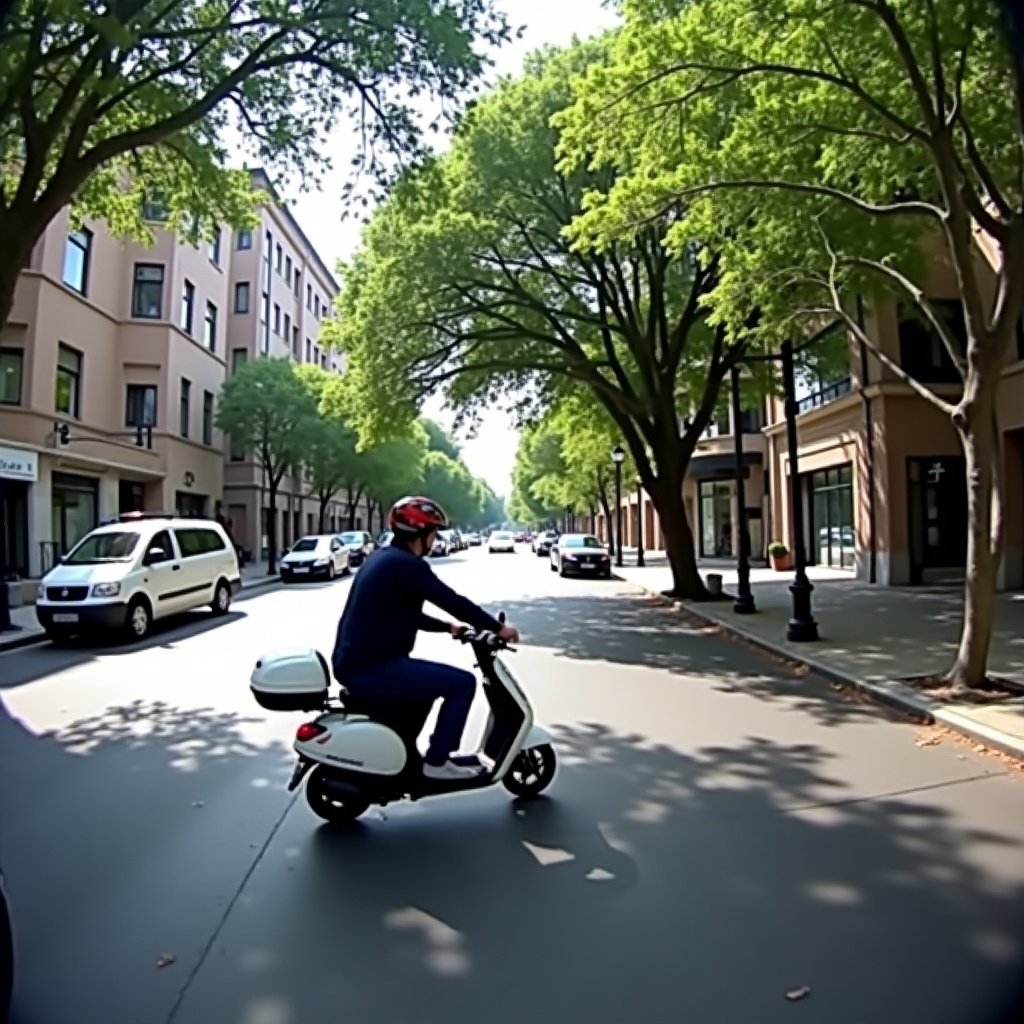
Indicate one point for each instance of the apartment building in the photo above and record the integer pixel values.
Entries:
(281, 292)
(109, 341)
(882, 473)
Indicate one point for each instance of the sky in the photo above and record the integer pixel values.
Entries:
(490, 454)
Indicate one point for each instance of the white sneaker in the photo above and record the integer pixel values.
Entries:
(449, 772)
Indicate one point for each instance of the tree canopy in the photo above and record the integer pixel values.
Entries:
(101, 105)
(466, 284)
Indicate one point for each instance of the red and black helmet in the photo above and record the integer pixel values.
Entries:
(415, 516)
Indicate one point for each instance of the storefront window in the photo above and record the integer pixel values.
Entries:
(73, 509)
(832, 529)
(716, 518)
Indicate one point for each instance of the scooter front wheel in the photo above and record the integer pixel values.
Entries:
(531, 772)
(326, 802)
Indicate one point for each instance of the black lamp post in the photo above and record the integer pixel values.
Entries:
(640, 523)
(802, 627)
(618, 457)
(744, 603)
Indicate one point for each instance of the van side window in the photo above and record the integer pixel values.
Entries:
(198, 541)
(162, 540)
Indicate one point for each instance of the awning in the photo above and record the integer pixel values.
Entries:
(721, 465)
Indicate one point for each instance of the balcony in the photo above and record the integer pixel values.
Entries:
(824, 395)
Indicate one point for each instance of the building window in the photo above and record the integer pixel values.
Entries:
(923, 353)
(12, 362)
(288, 270)
(277, 318)
(287, 327)
(298, 283)
(148, 291)
(718, 427)
(210, 334)
(715, 498)
(188, 306)
(821, 372)
(265, 321)
(243, 240)
(295, 341)
(214, 247)
(309, 296)
(309, 351)
(279, 260)
(242, 297)
(832, 533)
(155, 209)
(208, 417)
(316, 306)
(77, 251)
(185, 407)
(140, 405)
(69, 381)
(238, 358)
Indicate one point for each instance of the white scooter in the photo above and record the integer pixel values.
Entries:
(364, 752)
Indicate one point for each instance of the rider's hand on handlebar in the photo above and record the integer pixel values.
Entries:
(457, 629)
(509, 634)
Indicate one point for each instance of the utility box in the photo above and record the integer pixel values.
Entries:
(713, 581)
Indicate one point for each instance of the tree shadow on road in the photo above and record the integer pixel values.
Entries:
(640, 631)
(651, 885)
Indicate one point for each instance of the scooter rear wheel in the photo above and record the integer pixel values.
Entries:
(531, 772)
(327, 804)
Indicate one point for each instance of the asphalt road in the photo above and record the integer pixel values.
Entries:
(720, 832)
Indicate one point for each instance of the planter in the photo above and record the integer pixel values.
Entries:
(713, 581)
(781, 563)
(14, 594)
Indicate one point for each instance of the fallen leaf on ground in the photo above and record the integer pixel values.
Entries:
(979, 748)
(927, 741)
(165, 959)
(796, 994)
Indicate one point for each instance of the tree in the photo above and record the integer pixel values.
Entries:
(824, 158)
(331, 460)
(538, 459)
(98, 103)
(452, 486)
(395, 470)
(439, 440)
(266, 409)
(466, 283)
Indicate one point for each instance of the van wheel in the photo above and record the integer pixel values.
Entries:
(331, 573)
(221, 598)
(138, 620)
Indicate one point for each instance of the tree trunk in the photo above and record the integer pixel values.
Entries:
(606, 508)
(981, 439)
(322, 519)
(667, 498)
(272, 485)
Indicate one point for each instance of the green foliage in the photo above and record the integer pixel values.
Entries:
(266, 409)
(438, 439)
(450, 484)
(94, 98)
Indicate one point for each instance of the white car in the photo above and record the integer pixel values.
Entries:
(318, 555)
(441, 547)
(501, 540)
(125, 575)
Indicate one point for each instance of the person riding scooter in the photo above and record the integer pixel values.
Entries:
(378, 627)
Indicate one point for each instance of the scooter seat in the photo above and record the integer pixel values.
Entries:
(407, 718)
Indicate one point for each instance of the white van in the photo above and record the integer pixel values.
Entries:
(126, 574)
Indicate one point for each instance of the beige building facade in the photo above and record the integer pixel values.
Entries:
(109, 343)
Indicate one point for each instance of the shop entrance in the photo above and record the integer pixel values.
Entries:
(937, 489)
(73, 511)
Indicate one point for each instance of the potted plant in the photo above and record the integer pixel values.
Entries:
(779, 556)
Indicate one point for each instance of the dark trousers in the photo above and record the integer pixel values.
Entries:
(416, 680)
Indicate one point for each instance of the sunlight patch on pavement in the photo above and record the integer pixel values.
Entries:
(268, 1011)
(444, 953)
(546, 856)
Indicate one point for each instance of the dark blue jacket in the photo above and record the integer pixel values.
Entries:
(384, 611)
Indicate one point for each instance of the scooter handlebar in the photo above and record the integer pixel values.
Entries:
(482, 638)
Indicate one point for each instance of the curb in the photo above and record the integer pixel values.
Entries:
(32, 637)
(895, 695)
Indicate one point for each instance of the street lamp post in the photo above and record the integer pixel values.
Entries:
(744, 603)
(801, 627)
(618, 457)
(640, 523)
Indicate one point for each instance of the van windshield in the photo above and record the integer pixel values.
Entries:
(104, 547)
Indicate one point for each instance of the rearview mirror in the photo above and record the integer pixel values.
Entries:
(154, 555)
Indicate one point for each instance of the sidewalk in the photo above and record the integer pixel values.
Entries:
(871, 636)
(254, 577)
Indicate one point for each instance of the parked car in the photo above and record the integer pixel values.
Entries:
(360, 546)
(6, 953)
(543, 541)
(473, 539)
(580, 554)
(317, 555)
(522, 537)
(501, 540)
(441, 547)
(142, 567)
(384, 540)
